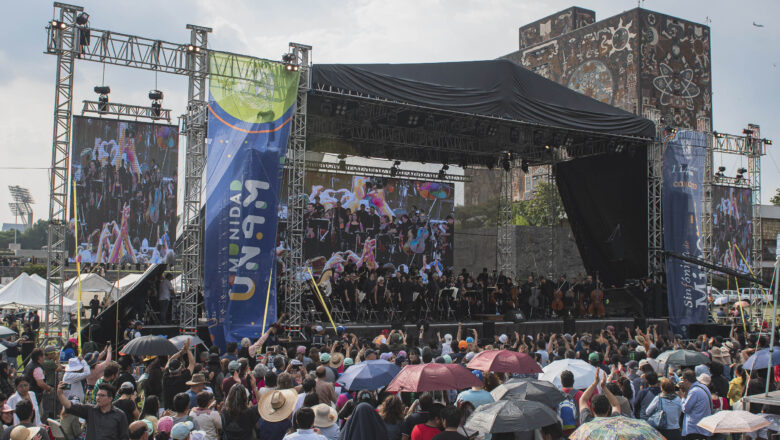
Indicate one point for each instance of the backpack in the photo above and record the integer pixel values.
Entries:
(567, 412)
(658, 419)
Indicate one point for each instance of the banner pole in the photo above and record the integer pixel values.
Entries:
(322, 300)
(78, 264)
(267, 295)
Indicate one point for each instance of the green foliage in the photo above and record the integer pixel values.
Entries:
(775, 200)
(30, 269)
(478, 216)
(34, 237)
(545, 209)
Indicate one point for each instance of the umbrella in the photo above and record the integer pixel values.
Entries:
(504, 361)
(510, 416)
(719, 301)
(616, 428)
(369, 375)
(683, 358)
(741, 304)
(760, 359)
(540, 391)
(149, 346)
(733, 421)
(657, 366)
(179, 341)
(584, 373)
(433, 377)
(5, 332)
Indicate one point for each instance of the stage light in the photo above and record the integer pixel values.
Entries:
(58, 24)
(394, 168)
(156, 96)
(442, 175)
(492, 130)
(748, 132)
(341, 109)
(413, 119)
(741, 170)
(192, 48)
(82, 19)
(342, 162)
(546, 147)
(102, 92)
(524, 166)
(767, 141)
(718, 135)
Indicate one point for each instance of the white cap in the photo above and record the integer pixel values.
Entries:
(503, 338)
(318, 328)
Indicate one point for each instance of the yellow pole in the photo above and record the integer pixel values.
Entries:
(739, 301)
(267, 295)
(322, 300)
(750, 269)
(78, 263)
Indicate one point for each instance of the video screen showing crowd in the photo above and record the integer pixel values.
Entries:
(126, 177)
(732, 227)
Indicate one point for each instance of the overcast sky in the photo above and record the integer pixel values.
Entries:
(744, 56)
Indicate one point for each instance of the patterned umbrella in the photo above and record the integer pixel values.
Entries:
(504, 361)
(733, 421)
(616, 428)
(433, 377)
(529, 389)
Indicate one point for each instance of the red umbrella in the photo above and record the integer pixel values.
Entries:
(433, 377)
(504, 361)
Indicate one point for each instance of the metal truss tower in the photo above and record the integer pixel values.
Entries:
(655, 227)
(62, 41)
(194, 127)
(505, 238)
(295, 163)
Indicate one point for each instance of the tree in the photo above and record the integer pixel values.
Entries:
(544, 209)
(775, 200)
(34, 237)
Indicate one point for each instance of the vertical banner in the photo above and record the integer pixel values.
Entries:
(248, 129)
(683, 171)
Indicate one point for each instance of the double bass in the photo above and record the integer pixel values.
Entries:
(557, 303)
(597, 300)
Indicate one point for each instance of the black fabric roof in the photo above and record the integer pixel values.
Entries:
(497, 88)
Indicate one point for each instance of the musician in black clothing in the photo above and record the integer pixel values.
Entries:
(526, 289)
(371, 221)
(406, 295)
(546, 290)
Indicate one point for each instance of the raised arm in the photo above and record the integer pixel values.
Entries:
(613, 402)
(585, 397)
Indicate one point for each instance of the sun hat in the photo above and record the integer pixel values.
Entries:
(181, 430)
(165, 424)
(463, 344)
(277, 405)
(24, 433)
(336, 359)
(704, 378)
(197, 379)
(324, 357)
(639, 339)
(324, 415)
(74, 364)
(7, 408)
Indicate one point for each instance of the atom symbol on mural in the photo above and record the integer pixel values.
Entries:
(676, 86)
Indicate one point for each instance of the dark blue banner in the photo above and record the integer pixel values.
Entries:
(683, 170)
(248, 128)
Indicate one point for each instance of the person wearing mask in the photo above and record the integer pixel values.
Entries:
(104, 422)
(671, 404)
(325, 418)
(364, 423)
(23, 393)
(206, 417)
(450, 417)
(696, 405)
(305, 420)
(432, 427)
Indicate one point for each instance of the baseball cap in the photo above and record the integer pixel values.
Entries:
(301, 349)
(503, 338)
(233, 366)
(469, 340)
(631, 365)
(181, 430)
(477, 373)
(463, 344)
(318, 328)
(348, 362)
(340, 329)
(165, 424)
(324, 357)
(174, 365)
(594, 357)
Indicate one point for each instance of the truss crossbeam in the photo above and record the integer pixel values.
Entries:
(126, 110)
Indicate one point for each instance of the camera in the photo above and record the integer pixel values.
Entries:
(66, 386)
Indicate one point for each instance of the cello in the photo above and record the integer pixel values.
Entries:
(597, 300)
(557, 303)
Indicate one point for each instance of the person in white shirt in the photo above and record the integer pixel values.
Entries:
(325, 418)
(23, 393)
(76, 372)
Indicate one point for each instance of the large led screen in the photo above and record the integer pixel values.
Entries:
(375, 222)
(732, 227)
(126, 177)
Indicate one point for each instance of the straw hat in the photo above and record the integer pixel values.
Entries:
(324, 415)
(197, 379)
(24, 433)
(277, 405)
(336, 359)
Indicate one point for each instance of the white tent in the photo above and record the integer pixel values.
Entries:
(178, 284)
(25, 291)
(124, 283)
(91, 284)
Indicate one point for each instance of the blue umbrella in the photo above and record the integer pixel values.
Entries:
(369, 375)
(760, 360)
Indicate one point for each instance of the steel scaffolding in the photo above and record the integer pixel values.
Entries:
(505, 238)
(62, 41)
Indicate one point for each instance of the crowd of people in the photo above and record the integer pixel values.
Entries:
(272, 391)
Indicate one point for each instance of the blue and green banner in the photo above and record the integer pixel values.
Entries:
(248, 129)
(683, 171)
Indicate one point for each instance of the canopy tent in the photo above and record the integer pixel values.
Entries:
(498, 88)
(91, 284)
(25, 291)
(126, 282)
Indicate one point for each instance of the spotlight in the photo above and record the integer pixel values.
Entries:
(741, 170)
(341, 109)
(492, 130)
(342, 162)
(748, 132)
(82, 19)
(721, 171)
(524, 166)
(546, 147)
(718, 135)
(289, 60)
(413, 119)
(442, 175)
(443, 171)
(156, 96)
(102, 92)
(767, 141)
(58, 24)
(192, 48)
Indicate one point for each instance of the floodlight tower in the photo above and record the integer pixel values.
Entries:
(21, 207)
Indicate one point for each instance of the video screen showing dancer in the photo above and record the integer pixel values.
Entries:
(376, 222)
(732, 227)
(126, 177)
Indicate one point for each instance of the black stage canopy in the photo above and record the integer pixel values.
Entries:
(497, 88)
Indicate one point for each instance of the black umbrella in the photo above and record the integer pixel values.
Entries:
(683, 358)
(150, 345)
(510, 416)
(529, 389)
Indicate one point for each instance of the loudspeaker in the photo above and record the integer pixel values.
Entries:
(569, 325)
(488, 330)
(709, 329)
(514, 315)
